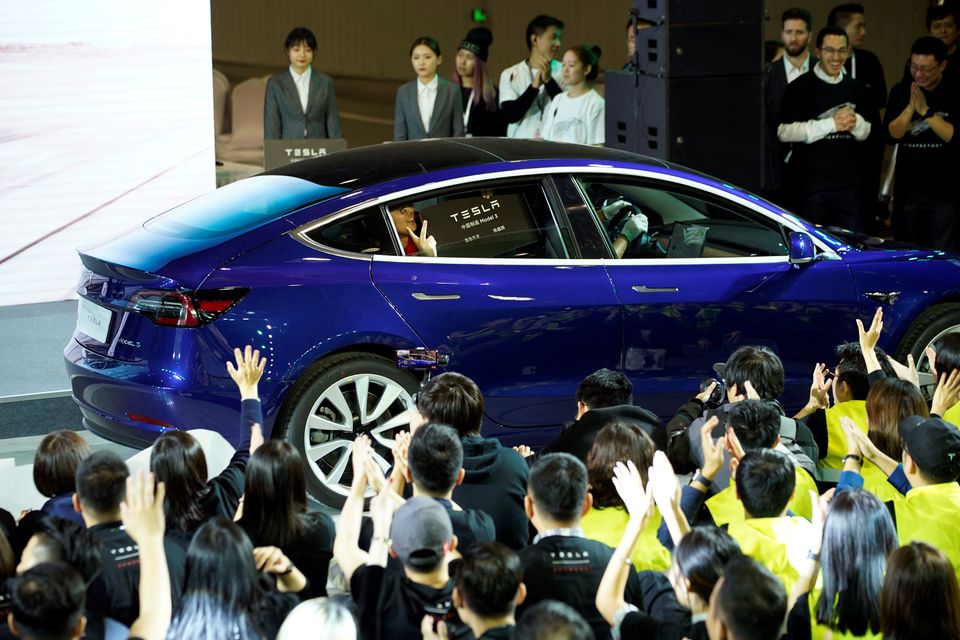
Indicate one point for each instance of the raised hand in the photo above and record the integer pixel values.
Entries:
(248, 371)
(947, 393)
(908, 372)
(425, 244)
(712, 449)
(142, 508)
(820, 387)
(358, 457)
(870, 337)
(849, 429)
(629, 486)
(662, 482)
(523, 450)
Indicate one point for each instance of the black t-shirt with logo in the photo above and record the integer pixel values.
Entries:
(832, 162)
(927, 167)
(569, 569)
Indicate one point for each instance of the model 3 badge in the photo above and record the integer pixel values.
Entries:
(129, 343)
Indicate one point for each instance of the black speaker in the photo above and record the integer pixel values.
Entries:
(707, 49)
(699, 11)
(711, 124)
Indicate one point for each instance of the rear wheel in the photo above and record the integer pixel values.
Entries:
(340, 398)
(933, 324)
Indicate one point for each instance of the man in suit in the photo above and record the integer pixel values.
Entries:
(300, 103)
(864, 67)
(796, 25)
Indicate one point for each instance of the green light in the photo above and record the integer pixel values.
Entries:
(479, 15)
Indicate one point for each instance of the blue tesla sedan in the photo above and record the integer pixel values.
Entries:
(535, 284)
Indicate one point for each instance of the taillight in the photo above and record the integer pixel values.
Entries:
(184, 308)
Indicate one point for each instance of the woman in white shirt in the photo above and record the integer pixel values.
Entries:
(577, 114)
(429, 106)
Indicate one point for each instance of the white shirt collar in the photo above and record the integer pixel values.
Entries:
(430, 86)
(803, 68)
(305, 76)
(817, 69)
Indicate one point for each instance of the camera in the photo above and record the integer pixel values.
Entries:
(719, 394)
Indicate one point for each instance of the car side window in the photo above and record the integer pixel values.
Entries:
(363, 231)
(502, 221)
(648, 219)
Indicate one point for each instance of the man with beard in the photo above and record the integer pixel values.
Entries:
(921, 116)
(795, 35)
(828, 114)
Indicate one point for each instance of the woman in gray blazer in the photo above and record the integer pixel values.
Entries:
(300, 102)
(428, 107)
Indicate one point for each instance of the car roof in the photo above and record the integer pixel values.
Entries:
(365, 166)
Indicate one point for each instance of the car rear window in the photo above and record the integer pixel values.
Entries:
(239, 206)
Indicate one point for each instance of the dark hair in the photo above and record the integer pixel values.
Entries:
(552, 620)
(275, 495)
(220, 584)
(588, 54)
(454, 399)
(177, 459)
(841, 14)
(852, 368)
(750, 600)
(488, 578)
(929, 46)
(616, 442)
(47, 600)
(797, 13)
(56, 461)
(920, 594)
(435, 457)
(832, 31)
(755, 422)
(426, 41)
(858, 535)
(481, 79)
(8, 561)
(298, 35)
(765, 480)
(539, 25)
(759, 365)
(62, 540)
(891, 400)
(939, 12)
(558, 486)
(701, 555)
(605, 388)
(947, 349)
(102, 481)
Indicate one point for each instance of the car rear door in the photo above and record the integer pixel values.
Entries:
(509, 298)
(713, 275)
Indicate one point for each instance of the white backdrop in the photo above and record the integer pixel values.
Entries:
(106, 119)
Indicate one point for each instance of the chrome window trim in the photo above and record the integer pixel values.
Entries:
(301, 232)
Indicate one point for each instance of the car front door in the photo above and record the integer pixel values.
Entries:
(508, 298)
(712, 274)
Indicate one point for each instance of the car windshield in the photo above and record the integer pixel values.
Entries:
(238, 207)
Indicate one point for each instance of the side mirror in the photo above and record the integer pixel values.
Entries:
(802, 249)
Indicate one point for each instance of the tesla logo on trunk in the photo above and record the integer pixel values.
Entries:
(466, 214)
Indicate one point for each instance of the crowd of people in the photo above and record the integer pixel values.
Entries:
(837, 521)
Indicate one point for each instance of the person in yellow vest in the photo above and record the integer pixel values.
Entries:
(765, 483)
(607, 518)
(928, 476)
(756, 425)
(852, 536)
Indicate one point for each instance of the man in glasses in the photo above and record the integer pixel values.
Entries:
(921, 116)
(827, 115)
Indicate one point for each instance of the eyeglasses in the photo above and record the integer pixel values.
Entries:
(835, 52)
(916, 69)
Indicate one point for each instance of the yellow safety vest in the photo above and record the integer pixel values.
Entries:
(931, 514)
(875, 481)
(856, 410)
(779, 544)
(952, 415)
(607, 526)
(820, 632)
(725, 508)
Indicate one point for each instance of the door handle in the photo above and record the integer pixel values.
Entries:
(639, 288)
(886, 297)
(419, 295)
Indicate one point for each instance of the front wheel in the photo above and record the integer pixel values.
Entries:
(340, 398)
(933, 324)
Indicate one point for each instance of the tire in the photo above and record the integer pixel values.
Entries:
(322, 431)
(937, 321)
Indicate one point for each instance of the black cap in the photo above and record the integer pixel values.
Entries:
(478, 42)
(933, 443)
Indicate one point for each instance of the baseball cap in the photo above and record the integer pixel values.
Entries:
(933, 443)
(421, 527)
